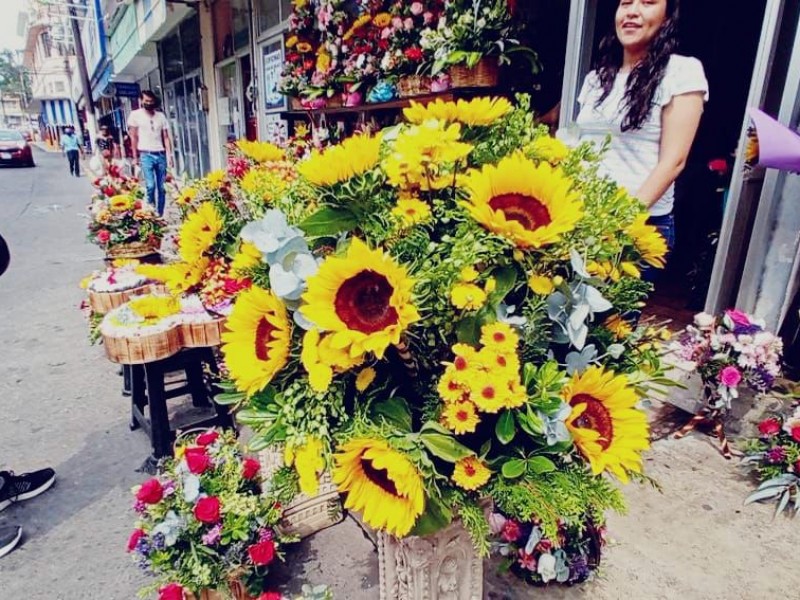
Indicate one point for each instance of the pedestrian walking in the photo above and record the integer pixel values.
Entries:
(72, 147)
(151, 147)
(106, 146)
(648, 99)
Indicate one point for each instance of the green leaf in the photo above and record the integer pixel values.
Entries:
(468, 330)
(444, 446)
(395, 412)
(530, 423)
(254, 417)
(514, 468)
(529, 375)
(270, 437)
(506, 429)
(329, 220)
(505, 278)
(540, 464)
(228, 398)
(436, 517)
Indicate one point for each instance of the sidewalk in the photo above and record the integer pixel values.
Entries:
(45, 148)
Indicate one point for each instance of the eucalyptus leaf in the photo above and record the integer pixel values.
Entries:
(505, 278)
(394, 411)
(468, 330)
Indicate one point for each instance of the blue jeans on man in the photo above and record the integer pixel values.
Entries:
(154, 170)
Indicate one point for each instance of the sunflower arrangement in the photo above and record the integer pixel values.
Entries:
(444, 312)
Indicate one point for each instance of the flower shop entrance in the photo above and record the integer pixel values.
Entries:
(742, 49)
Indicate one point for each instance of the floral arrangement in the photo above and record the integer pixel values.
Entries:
(775, 457)
(116, 181)
(201, 523)
(729, 352)
(446, 314)
(124, 219)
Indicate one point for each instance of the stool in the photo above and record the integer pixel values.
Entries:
(148, 389)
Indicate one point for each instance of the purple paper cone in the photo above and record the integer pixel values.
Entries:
(778, 146)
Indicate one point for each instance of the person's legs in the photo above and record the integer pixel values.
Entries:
(77, 159)
(147, 164)
(161, 179)
(72, 159)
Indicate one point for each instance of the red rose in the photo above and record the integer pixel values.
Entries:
(207, 438)
(197, 460)
(511, 531)
(134, 539)
(207, 510)
(250, 468)
(262, 553)
(269, 596)
(103, 236)
(173, 591)
(137, 205)
(769, 427)
(414, 54)
(151, 492)
(795, 433)
(108, 191)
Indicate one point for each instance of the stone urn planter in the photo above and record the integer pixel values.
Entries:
(442, 566)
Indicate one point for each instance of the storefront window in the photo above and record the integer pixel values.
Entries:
(231, 27)
(272, 13)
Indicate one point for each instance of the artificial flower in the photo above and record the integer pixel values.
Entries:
(197, 460)
(155, 308)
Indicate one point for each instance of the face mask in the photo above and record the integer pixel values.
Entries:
(149, 106)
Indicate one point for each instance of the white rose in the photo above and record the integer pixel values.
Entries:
(547, 567)
(704, 320)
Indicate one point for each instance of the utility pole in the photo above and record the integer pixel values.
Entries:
(91, 119)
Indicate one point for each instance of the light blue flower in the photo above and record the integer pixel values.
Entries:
(577, 362)
(288, 277)
(571, 312)
(555, 425)
(505, 314)
(170, 528)
(274, 237)
(191, 487)
(533, 540)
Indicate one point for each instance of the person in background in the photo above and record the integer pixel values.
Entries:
(72, 147)
(649, 99)
(16, 488)
(151, 147)
(106, 145)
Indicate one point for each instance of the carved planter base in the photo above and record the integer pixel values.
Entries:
(443, 566)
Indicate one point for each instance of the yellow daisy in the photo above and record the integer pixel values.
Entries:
(215, 179)
(468, 274)
(531, 205)
(199, 232)
(648, 241)
(381, 483)
(321, 360)
(260, 152)
(489, 396)
(618, 326)
(500, 337)
(460, 417)
(363, 299)
(451, 387)
(471, 473)
(256, 344)
(605, 424)
(411, 211)
(548, 148)
(467, 296)
(354, 156)
(541, 284)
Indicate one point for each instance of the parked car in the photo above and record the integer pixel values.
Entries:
(15, 149)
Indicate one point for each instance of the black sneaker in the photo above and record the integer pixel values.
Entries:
(14, 488)
(10, 535)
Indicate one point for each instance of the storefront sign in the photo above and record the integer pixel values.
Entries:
(273, 65)
(126, 90)
(277, 129)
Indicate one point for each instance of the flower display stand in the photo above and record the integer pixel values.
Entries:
(442, 566)
(305, 515)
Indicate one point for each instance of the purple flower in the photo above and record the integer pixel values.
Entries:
(265, 535)
(775, 455)
(213, 536)
(139, 507)
(169, 488)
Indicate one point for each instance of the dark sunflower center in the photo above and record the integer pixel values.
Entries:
(379, 477)
(526, 210)
(362, 302)
(264, 332)
(596, 417)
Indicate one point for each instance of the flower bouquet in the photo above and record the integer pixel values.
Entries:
(202, 524)
(775, 457)
(423, 323)
(125, 226)
(114, 182)
(729, 353)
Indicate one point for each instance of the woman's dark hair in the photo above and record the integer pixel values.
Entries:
(645, 77)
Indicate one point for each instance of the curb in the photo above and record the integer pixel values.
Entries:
(45, 148)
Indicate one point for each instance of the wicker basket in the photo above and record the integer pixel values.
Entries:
(305, 516)
(133, 249)
(143, 349)
(203, 335)
(104, 302)
(413, 85)
(484, 74)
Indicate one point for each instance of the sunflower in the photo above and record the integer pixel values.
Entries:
(199, 232)
(248, 257)
(321, 359)
(380, 482)
(186, 196)
(260, 152)
(460, 417)
(120, 203)
(178, 277)
(471, 473)
(605, 424)
(411, 211)
(648, 241)
(256, 345)
(263, 185)
(548, 148)
(363, 298)
(354, 156)
(476, 112)
(530, 204)
(215, 179)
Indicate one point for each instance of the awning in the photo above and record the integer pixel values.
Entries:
(58, 113)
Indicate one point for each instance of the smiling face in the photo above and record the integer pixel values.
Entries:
(638, 22)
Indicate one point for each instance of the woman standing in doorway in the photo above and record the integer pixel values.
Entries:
(649, 100)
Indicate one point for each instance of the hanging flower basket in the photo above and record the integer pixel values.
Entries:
(413, 85)
(484, 74)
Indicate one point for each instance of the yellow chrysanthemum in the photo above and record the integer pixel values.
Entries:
(605, 424)
(488, 395)
(541, 284)
(618, 326)
(187, 196)
(263, 185)
(323, 60)
(381, 483)
(309, 461)
(291, 41)
(471, 473)
(354, 156)
(467, 296)
(155, 308)
(248, 257)
(411, 211)
(304, 47)
(531, 205)
(451, 386)
(256, 344)
(365, 378)
(548, 148)
(260, 152)
(362, 298)
(500, 337)
(479, 111)
(468, 274)
(215, 179)
(460, 417)
(382, 19)
(120, 203)
(503, 361)
(199, 232)
(648, 241)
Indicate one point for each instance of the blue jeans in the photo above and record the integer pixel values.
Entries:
(666, 227)
(154, 169)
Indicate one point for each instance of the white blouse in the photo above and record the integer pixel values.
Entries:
(633, 154)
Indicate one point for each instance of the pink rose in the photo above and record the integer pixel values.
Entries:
(386, 33)
(397, 22)
(417, 8)
(427, 18)
(103, 236)
(408, 24)
(738, 317)
(730, 376)
(795, 433)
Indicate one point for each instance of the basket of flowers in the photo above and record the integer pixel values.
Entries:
(125, 227)
(143, 330)
(113, 287)
(202, 528)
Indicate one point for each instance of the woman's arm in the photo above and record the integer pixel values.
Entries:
(679, 121)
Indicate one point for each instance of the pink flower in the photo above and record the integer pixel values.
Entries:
(397, 22)
(417, 8)
(527, 561)
(769, 427)
(250, 468)
(134, 539)
(511, 531)
(730, 376)
(427, 18)
(496, 523)
(386, 33)
(408, 24)
(738, 317)
(207, 438)
(173, 591)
